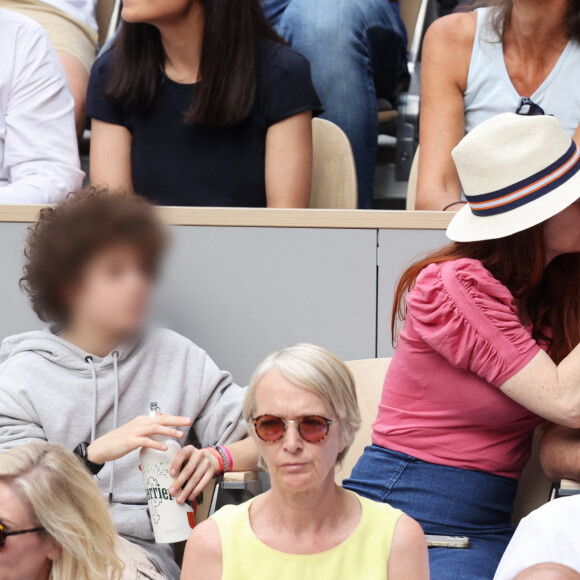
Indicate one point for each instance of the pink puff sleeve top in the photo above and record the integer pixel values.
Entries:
(461, 340)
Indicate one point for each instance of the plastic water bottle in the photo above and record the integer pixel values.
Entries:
(172, 522)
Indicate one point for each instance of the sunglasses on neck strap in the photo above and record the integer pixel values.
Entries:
(528, 108)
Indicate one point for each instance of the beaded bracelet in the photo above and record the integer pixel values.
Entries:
(218, 456)
(228, 460)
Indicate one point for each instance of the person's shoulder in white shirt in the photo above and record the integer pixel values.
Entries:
(39, 160)
(549, 534)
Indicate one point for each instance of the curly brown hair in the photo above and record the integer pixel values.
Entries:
(69, 234)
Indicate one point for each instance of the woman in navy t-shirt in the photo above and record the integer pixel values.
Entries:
(201, 103)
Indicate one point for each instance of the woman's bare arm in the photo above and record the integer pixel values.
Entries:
(560, 453)
(289, 162)
(203, 553)
(408, 558)
(446, 58)
(111, 156)
(550, 391)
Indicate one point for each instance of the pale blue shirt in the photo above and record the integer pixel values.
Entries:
(490, 90)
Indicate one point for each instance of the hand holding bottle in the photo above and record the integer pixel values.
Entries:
(193, 469)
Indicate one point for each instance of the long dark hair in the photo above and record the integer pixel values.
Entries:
(227, 88)
(548, 297)
(503, 10)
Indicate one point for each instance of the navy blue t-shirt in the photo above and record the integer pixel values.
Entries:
(175, 163)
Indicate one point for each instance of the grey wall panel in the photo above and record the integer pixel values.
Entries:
(397, 250)
(15, 313)
(243, 292)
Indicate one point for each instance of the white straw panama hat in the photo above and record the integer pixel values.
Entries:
(516, 172)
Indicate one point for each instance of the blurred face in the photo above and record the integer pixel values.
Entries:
(28, 556)
(155, 11)
(113, 293)
(294, 464)
(562, 232)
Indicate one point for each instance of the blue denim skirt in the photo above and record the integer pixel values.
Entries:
(446, 501)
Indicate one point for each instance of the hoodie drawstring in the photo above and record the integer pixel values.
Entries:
(89, 360)
(115, 410)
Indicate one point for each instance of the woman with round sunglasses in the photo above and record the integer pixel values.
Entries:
(488, 346)
(302, 411)
(507, 56)
(55, 524)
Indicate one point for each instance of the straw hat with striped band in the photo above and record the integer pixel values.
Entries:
(516, 171)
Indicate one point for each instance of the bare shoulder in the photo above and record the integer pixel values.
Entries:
(447, 49)
(206, 536)
(203, 553)
(408, 557)
(453, 29)
(408, 533)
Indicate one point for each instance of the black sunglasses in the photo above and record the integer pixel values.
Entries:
(312, 428)
(529, 109)
(4, 534)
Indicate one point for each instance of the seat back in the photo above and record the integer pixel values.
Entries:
(334, 184)
(369, 376)
(108, 13)
(535, 487)
(412, 185)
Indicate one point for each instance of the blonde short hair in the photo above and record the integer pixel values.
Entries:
(65, 501)
(318, 370)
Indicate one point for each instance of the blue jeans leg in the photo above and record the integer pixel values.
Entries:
(357, 50)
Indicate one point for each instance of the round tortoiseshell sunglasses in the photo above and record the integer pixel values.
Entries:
(4, 534)
(312, 428)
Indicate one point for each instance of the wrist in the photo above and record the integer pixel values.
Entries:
(215, 459)
(94, 455)
(89, 458)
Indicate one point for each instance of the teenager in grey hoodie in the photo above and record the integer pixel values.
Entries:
(90, 376)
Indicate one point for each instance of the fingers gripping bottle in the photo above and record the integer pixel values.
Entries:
(172, 522)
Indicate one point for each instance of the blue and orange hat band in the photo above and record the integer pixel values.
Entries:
(529, 189)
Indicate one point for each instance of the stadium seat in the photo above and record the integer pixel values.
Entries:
(369, 376)
(565, 488)
(412, 185)
(534, 488)
(334, 184)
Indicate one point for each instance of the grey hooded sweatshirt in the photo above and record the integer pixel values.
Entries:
(51, 390)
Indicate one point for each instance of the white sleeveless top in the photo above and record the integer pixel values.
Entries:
(490, 90)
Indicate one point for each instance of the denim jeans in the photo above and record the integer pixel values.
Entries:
(357, 49)
(445, 501)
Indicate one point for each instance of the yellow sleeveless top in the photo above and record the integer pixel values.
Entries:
(364, 554)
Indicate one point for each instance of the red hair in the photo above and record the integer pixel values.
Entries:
(547, 297)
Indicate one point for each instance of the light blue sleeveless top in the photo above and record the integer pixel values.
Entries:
(491, 92)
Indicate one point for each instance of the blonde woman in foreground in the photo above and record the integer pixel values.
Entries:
(54, 522)
(302, 411)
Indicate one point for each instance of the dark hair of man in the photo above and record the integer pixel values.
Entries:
(65, 238)
(226, 92)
